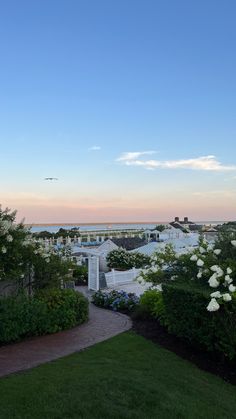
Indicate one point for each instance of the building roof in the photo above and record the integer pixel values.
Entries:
(106, 247)
(181, 244)
(101, 250)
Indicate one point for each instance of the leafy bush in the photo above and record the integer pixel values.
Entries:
(47, 312)
(152, 305)
(80, 274)
(186, 316)
(123, 260)
(115, 300)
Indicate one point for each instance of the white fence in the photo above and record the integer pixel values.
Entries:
(121, 277)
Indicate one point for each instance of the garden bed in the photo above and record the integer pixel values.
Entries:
(210, 362)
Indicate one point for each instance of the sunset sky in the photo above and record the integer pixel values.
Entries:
(131, 104)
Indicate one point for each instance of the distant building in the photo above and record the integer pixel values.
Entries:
(185, 224)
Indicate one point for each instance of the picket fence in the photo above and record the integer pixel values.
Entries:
(121, 277)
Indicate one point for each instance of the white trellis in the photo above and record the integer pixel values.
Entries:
(93, 273)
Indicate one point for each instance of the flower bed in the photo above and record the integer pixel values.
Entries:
(115, 300)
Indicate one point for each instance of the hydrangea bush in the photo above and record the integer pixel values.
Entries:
(26, 260)
(115, 300)
(121, 259)
(207, 264)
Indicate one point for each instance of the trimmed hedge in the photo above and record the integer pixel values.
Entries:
(47, 312)
(186, 316)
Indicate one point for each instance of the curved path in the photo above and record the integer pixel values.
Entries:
(102, 325)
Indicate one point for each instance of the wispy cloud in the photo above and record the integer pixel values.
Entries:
(94, 148)
(133, 155)
(208, 163)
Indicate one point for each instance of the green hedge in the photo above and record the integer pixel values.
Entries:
(186, 316)
(47, 312)
(152, 305)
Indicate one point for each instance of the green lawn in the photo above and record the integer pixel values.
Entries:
(125, 377)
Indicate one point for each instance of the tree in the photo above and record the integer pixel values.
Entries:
(160, 227)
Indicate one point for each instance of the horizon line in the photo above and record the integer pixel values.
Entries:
(111, 222)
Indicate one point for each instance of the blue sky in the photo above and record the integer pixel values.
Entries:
(122, 76)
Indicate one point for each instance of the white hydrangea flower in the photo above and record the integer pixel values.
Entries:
(194, 258)
(217, 251)
(9, 238)
(233, 242)
(214, 268)
(213, 305)
(232, 288)
(228, 279)
(200, 262)
(229, 271)
(217, 269)
(227, 297)
(213, 281)
(4, 249)
(216, 294)
(202, 250)
(199, 275)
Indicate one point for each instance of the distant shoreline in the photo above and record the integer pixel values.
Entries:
(117, 223)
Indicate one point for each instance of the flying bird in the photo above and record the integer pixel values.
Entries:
(50, 178)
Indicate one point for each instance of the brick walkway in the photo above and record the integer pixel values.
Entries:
(102, 325)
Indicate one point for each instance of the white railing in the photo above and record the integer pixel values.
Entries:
(121, 277)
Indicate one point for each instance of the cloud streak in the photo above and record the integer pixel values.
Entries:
(94, 148)
(205, 163)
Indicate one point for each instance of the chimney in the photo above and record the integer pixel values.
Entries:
(186, 220)
(177, 219)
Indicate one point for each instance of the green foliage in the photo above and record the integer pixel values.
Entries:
(152, 304)
(160, 227)
(223, 242)
(227, 228)
(187, 317)
(80, 274)
(48, 311)
(62, 232)
(49, 274)
(123, 260)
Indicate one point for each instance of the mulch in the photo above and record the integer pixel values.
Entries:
(207, 361)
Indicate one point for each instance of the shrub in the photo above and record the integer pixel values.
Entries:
(47, 312)
(152, 305)
(80, 274)
(187, 317)
(115, 300)
(121, 259)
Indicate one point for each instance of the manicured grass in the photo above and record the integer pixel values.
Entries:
(125, 377)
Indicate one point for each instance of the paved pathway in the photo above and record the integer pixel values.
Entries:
(102, 325)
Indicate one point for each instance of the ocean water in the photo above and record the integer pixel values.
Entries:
(97, 227)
